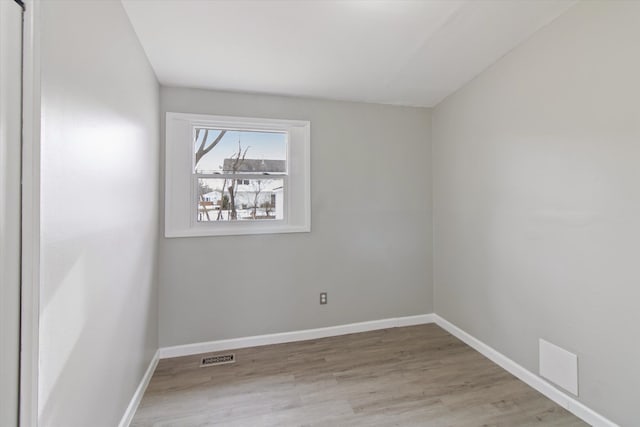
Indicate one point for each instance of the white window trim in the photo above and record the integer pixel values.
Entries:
(180, 220)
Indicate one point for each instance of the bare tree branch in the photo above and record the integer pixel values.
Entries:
(238, 158)
(202, 151)
(204, 206)
(215, 142)
(224, 184)
(204, 139)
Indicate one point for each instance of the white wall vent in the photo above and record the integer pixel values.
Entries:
(559, 366)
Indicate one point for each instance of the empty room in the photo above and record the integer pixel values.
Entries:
(319, 213)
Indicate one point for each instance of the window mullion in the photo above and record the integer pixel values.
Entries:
(252, 177)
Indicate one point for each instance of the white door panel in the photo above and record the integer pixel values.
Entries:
(10, 147)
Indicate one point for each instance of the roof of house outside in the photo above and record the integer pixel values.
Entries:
(256, 166)
(267, 186)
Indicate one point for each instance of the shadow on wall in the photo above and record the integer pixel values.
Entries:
(90, 303)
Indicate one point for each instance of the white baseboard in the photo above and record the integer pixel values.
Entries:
(137, 396)
(569, 403)
(284, 337)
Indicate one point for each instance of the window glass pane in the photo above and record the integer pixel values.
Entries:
(232, 151)
(240, 199)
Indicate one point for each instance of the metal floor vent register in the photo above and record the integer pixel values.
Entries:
(218, 359)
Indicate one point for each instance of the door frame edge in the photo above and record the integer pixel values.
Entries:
(30, 263)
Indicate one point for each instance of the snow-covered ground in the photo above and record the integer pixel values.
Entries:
(243, 214)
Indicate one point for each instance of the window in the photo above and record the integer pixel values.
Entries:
(236, 175)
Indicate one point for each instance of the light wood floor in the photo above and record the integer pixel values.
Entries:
(413, 376)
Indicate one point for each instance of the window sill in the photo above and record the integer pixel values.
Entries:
(213, 230)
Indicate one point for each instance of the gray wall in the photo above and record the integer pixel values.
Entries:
(537, 202)
(370, 244)
(100, 143)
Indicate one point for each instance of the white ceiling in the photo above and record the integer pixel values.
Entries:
(392, 52)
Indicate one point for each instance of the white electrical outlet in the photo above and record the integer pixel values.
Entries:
(323, 297)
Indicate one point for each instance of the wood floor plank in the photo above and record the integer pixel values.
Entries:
(411, 376)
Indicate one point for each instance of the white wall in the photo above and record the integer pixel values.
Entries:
(369, 251)
(10, 127)
(537, 202)
(98, 319)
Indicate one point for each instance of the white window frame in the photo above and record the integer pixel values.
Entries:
(181, 194)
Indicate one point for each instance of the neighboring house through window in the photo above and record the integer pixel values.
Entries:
(236, 175)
